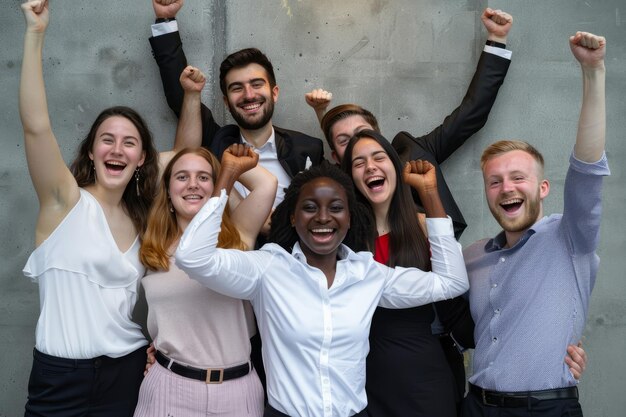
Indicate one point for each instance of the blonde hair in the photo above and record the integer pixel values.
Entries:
(162, 230)
(504, 146)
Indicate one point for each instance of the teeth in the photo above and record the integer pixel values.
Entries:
(117, 163)
(322, 230)
(512, 201)
(192, 197)
(252, 106)
(372, 179)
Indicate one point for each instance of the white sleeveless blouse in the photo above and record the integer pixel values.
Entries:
(87, 287)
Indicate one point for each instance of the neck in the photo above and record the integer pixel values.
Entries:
(380, 214)
(325, 263)
(257, 137)
(106, 197)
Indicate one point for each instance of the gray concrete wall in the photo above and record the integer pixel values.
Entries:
(409, 61)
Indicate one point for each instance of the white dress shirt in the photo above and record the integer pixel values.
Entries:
(268, 158)
(315, 338)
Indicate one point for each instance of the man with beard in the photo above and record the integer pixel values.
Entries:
(249, 88)
(530, 285)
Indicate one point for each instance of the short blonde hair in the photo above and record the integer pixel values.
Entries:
(504, 146)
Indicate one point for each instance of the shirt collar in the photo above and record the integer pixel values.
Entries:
(270, 145)
(498, 242)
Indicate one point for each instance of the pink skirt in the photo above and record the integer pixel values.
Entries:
(163, 393)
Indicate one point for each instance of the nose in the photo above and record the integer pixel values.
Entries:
(323, 215)
(249, 92)
(369, 165)
(507, 185)
(117, 147)
(193, 182)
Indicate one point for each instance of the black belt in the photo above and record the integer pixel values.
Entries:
(523, 398)
(210, 376)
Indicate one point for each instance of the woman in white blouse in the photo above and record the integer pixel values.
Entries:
(313, 296)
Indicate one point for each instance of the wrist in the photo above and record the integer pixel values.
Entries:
(164, 19)
(501, 43)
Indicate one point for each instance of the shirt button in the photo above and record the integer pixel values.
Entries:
(497, 311)
(494, 285)
(495, 339)
(490, 363)
(502, 259)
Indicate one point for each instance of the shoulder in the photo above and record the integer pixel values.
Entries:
(408, 146)
(297, 137)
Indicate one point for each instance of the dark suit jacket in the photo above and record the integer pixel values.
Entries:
(436, 147)
(462, 123)
(293, 147)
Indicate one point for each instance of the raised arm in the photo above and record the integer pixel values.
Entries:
(189, 128)
(197, 252)
(472, 113)
(422, 177)
(54, 184)
(589, 50)
(251, 213)
(319, 100)
(168, 52)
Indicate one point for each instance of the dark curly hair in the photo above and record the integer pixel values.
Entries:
(361, 224)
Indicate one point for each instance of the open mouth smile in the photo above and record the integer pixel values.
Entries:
(323, 235)
(114, 167)
(375, 183)
(511, 205)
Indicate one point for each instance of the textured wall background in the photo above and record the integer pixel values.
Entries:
(409, 61)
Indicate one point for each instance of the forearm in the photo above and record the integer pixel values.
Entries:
(590, 138)
(189, 129)
(32, 94)
(433, 207)
(224, 271)
(446, 258)
(410, 287)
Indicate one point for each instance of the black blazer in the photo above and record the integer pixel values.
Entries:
(293, 148)
(457, 127)
(436, 147)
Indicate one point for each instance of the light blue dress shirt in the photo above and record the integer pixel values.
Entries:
(530, 301)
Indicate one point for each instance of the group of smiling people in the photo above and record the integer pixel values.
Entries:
(356, 252)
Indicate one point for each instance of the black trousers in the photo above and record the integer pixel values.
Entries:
(99, 387)
(272, 412)
(473, 407)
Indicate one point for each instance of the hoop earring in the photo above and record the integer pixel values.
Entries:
(137, 182)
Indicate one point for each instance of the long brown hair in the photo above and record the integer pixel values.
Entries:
(408, 245)
(163, 231)
(137, 206)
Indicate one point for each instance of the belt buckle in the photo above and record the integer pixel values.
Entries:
(208, 376)
(485, 402)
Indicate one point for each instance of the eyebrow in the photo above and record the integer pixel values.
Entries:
(251, 81)
(372, 154)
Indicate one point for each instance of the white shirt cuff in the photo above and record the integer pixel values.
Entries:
(164, 28)
(501, 52)
(439, 226)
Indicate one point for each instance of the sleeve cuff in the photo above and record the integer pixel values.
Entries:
(164, 28)
(504, 53)
(214, 204)
(439, 226)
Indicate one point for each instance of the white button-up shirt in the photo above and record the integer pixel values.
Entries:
(268, 158)
(315, 338)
